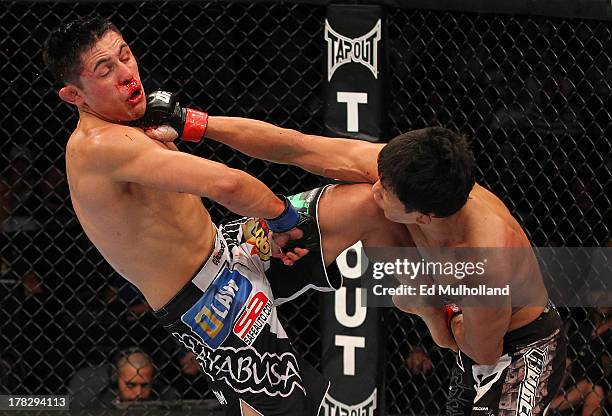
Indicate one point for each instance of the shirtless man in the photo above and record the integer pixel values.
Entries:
(215, 289)
(511, 355)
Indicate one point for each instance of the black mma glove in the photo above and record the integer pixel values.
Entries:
(163, 108)
(310, 238)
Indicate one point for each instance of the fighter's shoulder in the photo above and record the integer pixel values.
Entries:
(111, 138)
(115, 134)
(492, 230)
(107, 146)
(499, 244)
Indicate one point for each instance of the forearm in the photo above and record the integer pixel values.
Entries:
(349, 160)
(483, 346)
(255, 138)
(433, 316)
(248, 196)
(435, 319)
(336, 158)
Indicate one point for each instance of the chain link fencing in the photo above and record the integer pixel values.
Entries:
(533, 93)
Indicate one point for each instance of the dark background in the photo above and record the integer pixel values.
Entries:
(531, 92)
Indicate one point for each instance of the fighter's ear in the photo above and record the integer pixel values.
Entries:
(72, 94)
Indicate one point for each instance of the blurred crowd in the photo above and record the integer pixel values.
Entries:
(65, 317)
(541, 133)
(68, 323)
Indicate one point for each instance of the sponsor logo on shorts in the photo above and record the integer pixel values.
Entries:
(485, 376)
(535, 360)
(332, 407)
(216, 258)
(245, 369)
(253, 318)
(212, 316)
(256, 233)
(342, 50)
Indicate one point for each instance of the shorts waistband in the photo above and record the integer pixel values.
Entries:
(200, 281)
(548, 322)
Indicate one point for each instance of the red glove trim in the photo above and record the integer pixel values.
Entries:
(195, 125)
(451, 311)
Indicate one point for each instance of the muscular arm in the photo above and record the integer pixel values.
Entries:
(128, 155)
(343, 159)
(486, 328)
(485, 320)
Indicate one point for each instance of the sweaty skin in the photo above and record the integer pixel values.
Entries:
(155, 238)
(484, 221)
(137, 199)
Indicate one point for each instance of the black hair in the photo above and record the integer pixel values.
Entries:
(430, 170)
(65, 44)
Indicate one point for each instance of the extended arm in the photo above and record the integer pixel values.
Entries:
(128, 155)
(336, 158)
(344, 159)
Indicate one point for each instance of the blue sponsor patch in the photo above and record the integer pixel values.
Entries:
(212, 316)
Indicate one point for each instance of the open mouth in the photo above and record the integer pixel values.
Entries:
(135, 95)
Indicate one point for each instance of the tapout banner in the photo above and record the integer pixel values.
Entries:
(351, 333)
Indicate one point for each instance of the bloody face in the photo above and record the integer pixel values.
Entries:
(110, 82)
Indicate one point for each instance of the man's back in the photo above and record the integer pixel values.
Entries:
(154, 238)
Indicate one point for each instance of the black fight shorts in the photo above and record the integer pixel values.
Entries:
(524, 380)
(227, 317)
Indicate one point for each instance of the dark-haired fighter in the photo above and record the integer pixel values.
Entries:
(511, 355)
(138, 201)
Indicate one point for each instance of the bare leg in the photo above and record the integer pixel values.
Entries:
(348, 213)
(247, 410)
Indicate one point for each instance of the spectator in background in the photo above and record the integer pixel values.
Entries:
(191, 384)
(135, 373)
(598, 283)
(56, 209)
(131, 379)
(135, 321)
(423, 379)
(20, 179)
(591, 369)
(583, 398)
(418, 362)
(26, 323)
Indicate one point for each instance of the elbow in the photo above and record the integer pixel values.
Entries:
(226, 188)
(489, 357)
